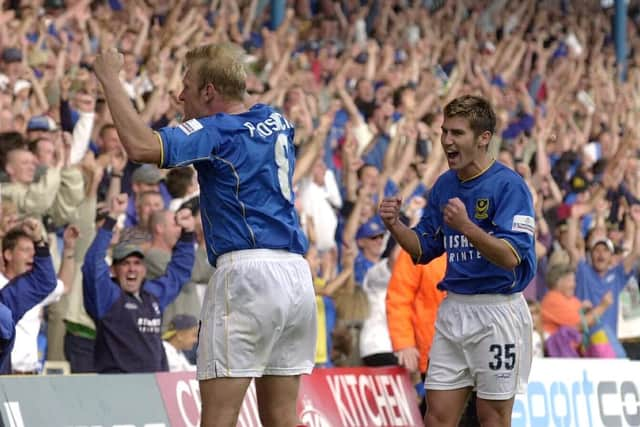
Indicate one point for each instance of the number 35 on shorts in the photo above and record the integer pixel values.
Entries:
(504, 357)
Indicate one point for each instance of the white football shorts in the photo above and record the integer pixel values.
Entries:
(258, 316)
(484, 342)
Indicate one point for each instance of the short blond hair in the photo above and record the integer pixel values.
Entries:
(222, 65)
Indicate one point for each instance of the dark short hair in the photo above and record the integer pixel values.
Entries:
(178, 181)
(476, 110)
(10, 240)
(10, 141)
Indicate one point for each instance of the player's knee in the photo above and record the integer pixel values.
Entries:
(440, 417)
(494, 415)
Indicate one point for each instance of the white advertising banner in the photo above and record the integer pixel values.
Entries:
(580, 393)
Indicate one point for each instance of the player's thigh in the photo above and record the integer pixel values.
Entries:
(500, 358)
(221, 400)
(494, 413)
(445, 407)
(294, 351)
(277, 398)
(448, 366)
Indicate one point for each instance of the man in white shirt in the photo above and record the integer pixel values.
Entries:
(181, 335)
(321, 200)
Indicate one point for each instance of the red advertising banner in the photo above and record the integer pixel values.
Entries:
(350, 397)
(329, 397)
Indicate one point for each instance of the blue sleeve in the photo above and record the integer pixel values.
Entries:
(187, 143)
(98, 290)
(167, 287)
(27, 290)
(7, 324)
(624, 277)
(514, 217)
(429, 231)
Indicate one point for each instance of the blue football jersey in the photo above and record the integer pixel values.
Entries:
(245, 167)
(499, 202)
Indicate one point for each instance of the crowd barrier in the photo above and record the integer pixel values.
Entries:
(561, 392)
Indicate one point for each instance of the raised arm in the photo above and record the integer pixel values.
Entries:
(67, 270)
(99, 291)
(138, 140)
(631, 261)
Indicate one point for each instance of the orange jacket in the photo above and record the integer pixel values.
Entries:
(412, 303)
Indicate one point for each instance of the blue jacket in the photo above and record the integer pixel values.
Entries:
(128, 327)
(19, 296)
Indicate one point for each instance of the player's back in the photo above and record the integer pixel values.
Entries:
(245, 167)
(245, 187)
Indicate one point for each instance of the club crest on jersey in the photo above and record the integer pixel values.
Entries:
(482, 209)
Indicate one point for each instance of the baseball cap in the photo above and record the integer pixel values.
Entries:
(125, 249)
(147, 174)
(11, 54)
(605, 241)
(44, 123)
(180, 322)
(371, 228)
(556, 272)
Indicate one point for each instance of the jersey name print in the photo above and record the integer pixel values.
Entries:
(275, 123)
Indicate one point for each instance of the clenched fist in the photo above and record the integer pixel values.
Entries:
(185, 219)
(389, 210)
(108, 64)
(118, 205)
(455, 214)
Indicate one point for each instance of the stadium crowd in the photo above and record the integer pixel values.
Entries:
(364, 82)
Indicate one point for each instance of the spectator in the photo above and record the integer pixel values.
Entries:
(412, 303)
(603, 273)
(181, 335)
(58, 192)
(79, 332)
(125, 341)
(321, 200)
(560, 307)
(140, 234)
(182, 185)
(370, 240)
(165, 232)
(375, 343)
(146, 178)
(18, 252)
(24, 291)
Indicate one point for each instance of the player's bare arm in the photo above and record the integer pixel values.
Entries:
(497, 251)
(137, 138)
(390, 213)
